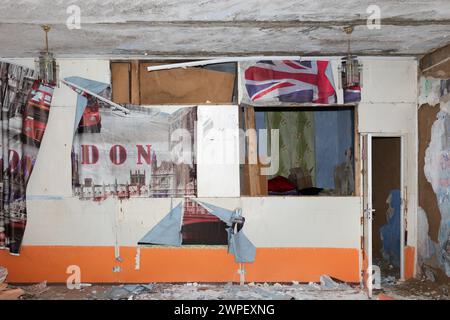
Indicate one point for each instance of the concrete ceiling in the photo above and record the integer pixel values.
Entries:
(223, 27)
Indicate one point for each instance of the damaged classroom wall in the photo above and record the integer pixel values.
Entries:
(311, 236)
(434, 176)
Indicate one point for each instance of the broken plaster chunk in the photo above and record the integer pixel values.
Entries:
(428, 273)
(277, 285)
(192, 284)
(327, 283)
(314, 285)
(85, 285)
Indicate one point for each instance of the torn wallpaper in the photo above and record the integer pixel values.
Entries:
(437, 172)
(142, 152)
(272, 82)
(172, 231)
(25, 103)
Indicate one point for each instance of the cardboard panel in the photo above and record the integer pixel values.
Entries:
(185, 86)
(120, 81)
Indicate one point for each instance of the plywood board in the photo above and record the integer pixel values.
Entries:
(255, 183)
(135, 82)
(185, 86)
(120, 82)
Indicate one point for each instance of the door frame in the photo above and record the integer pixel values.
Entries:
(403, 193)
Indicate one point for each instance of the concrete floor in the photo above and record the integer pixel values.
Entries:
(413, 289)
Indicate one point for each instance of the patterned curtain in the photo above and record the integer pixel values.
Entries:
(25, 103)
(296, 140)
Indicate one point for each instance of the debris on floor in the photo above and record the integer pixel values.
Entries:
(202, 291)
(7, 293)
(389, 280)
(3, 274)
(417, 289)
(37, 289)
(328, 288)
(10, 294)
(128, 291)
(428, 273)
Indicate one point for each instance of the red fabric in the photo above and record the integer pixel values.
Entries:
(280, 184)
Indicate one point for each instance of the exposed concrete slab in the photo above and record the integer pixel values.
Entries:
(130, 39)
(51, 11)
(230, 27)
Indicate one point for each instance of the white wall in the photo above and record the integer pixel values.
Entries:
(388, 106)
(270, 222)
(218, 151)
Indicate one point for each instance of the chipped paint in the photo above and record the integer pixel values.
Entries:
(425, 246)
(429, 91)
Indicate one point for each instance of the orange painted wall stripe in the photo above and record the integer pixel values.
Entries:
(409, 262)
(161, 264)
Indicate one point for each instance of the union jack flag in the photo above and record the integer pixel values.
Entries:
(290, 81)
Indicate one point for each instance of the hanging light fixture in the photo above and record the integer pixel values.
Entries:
(350, 68)
(47, 63)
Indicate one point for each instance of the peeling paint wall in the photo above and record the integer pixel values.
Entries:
(434, 216)
(437, 171)
(425, 246)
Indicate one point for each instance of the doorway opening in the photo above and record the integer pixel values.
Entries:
(386, 202)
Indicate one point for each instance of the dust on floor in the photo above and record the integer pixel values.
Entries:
(326, 290)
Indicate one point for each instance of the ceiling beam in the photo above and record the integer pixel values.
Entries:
(258, 23)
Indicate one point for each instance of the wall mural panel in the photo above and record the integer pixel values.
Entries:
(25, 103)
(142, 152)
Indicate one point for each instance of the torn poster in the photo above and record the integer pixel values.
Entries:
(172, 231)
(167, 231)
(142, 152)
(25, 103)
(273, 82)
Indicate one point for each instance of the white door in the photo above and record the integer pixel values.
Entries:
(366, 157)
